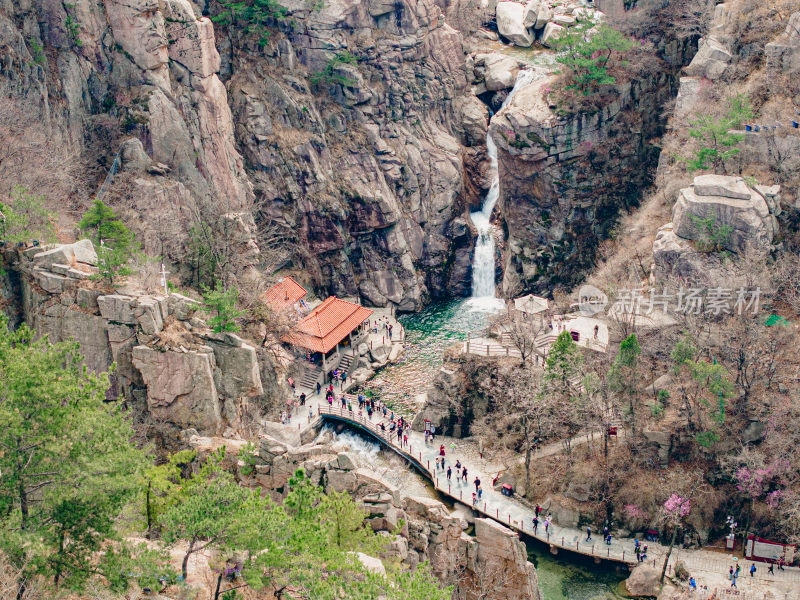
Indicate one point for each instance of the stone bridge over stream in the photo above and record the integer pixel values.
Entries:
(506, 510)
(709, 567)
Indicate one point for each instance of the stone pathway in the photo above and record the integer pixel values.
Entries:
(709, 568)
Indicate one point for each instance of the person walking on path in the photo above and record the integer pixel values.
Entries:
(753, 570)
(441, 450)
(638, 554)
(608, 539)
(535, 524)
(780, 563)
(538, 510)
(692, 584)
(546, 525)
(319, 387)
(477, 483)
(605, 532)
(730, 572)
(588, 533)
(449, 473)
(480, 492)
(738, 570)
(474, 499)
(303, 399)
(464, 474)
(771, 568)
(733, 582)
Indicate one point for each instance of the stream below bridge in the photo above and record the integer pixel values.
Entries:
(564, 577)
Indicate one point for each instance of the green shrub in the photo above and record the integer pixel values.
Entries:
(253, 17)
(330, 75)
(717, 142)
(586, 56)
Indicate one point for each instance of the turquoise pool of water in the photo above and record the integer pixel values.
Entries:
(573, 578)
(427, 335)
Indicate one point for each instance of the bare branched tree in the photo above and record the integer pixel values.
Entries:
(522, 409)
(522, 330)
(32, 155)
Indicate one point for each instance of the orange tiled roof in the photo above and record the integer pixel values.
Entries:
(283, 294)
(327, 325)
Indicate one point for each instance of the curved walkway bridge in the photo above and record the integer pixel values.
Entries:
(493, 505)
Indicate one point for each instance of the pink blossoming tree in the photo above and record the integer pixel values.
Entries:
(676, 509)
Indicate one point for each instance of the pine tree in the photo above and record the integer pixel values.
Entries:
(624, 377)
(67, 462)
(114, 241)
(221, 304)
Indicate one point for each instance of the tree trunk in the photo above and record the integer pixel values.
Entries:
(747, 526)
(669, 551)
(526, 435)
(149, 517)
(23, 503)
(185, 562)
(219, 582)
(23, 495)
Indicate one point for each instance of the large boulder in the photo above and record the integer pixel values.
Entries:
(502, 561)
(238, 374)
(644, 581)
(500, 70)
(783, 53)
(726, 209)
(118, 308)
(67, 254)
(511, 23)
(536, 14)
(711, 60)
(180, 386)
(551, 31)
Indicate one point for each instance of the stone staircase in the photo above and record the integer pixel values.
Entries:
(345, 363)
(310, 377)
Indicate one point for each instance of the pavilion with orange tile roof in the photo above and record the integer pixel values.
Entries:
(327, 326)
(287, 292)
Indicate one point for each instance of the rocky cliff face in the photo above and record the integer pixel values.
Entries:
(171, 369)
(364, 159)
(341, 135)
(564, 179)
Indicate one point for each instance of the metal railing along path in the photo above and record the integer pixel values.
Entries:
(493, 505)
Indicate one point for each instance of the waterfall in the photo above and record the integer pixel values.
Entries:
(483, 265)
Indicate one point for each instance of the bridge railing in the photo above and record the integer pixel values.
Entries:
(514, 518)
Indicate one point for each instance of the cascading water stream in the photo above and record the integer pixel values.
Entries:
(483, 263)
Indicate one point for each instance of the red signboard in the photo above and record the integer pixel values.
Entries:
(612, 430)
(767, 551)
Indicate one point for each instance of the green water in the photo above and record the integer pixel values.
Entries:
(427, 335)
(573, 579)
